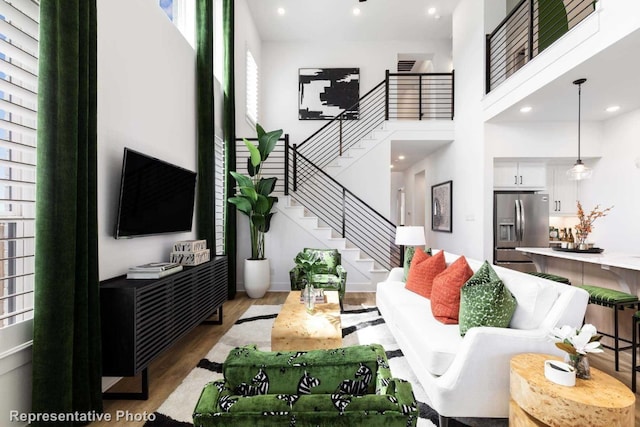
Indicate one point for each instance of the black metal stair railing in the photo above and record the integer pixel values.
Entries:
(401, 96)
(342, 210)
(527, 30)
(340, 134)
(420, 96)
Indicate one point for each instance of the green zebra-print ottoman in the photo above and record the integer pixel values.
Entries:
(349, 386)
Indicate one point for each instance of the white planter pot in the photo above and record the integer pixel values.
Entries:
(257, 277)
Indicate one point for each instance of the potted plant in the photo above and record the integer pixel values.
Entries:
(254, 199)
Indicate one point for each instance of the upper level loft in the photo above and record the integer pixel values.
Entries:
(541, 46)
(530, 28)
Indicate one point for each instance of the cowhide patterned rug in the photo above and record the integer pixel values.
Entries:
(360, 325)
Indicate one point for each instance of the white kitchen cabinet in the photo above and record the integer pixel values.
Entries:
(519, 176)
(563, 193)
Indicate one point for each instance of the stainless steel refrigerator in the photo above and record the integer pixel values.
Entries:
(520, 220)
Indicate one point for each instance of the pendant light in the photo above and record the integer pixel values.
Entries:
(579, 171)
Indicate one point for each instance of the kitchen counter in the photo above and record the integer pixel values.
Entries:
(625, 266)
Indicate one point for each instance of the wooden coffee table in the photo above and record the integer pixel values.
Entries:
(295, 329)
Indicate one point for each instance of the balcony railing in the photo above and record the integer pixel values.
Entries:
(528, 29)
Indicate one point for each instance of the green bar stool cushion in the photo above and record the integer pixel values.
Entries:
(549, 276)
(600, 295)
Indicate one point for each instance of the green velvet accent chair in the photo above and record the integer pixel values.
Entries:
(349, 386)
(329, 275)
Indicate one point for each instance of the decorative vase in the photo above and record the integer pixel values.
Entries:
(580, 363)
(581, 241)
(309, 296)
(257, 277)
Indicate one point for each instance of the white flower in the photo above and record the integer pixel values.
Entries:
(563, 333)
(581, 341)
(578, 341)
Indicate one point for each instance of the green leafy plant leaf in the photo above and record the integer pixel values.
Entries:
(256, 159)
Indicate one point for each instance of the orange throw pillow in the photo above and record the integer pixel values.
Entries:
(445, 295)
(423, 270)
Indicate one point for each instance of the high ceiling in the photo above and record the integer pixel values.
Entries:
(334, 20)
(611, 74)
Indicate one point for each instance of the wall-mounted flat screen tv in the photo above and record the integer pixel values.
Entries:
(155, 197)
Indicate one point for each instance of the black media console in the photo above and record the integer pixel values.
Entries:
(142, 318)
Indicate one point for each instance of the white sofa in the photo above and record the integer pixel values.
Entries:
(469, 376)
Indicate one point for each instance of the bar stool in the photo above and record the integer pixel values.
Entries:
(618, 301)
(634, 351)
(549, 276)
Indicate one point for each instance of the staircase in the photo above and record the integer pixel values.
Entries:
(402, 106)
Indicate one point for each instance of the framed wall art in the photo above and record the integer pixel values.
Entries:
(323, 93)
(441, 206)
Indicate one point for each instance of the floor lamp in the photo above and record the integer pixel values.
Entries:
(410, 235)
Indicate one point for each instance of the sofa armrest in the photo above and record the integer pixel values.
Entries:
(483, 364)
(395, 275)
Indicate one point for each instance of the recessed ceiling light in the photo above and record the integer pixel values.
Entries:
(401, 157)
(356, 11)
(281, 11)
(526, 109)
(431, 10)
(613, 109)
(391, 166)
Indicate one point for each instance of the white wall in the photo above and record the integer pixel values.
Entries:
(281, 61)
(369, 178)
(462, 160)
(616, 181)
(146, 101)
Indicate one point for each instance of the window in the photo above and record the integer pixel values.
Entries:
(183, 15)
(18, 103)
(252, 89)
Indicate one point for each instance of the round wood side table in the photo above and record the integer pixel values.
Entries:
(536, 401)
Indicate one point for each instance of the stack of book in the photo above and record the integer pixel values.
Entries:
(190, 252)
(153, 270)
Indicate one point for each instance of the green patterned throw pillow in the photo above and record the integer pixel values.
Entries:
(485, 301)
(409, 252)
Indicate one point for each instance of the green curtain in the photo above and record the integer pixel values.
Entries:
(205, 215)
(552, 22)
(229, 129)
(66, 343)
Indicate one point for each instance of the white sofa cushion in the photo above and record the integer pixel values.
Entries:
(436, 342)
(535, 298)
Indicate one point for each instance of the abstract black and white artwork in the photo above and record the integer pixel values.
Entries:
(323, 93)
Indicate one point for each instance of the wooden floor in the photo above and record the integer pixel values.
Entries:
(168, 371)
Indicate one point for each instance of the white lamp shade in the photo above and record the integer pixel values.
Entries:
(410, 235)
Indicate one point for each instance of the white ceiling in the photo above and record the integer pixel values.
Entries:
(333, 20)
(412, 151)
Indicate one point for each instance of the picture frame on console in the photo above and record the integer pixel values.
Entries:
(442, 207)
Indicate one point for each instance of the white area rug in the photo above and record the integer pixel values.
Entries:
(360, 325)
